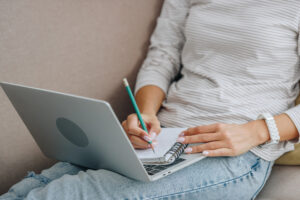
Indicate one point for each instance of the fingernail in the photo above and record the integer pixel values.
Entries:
(205, 153)
(181, 134)
(153, 135)
(149, 145)
(147, 138)
(188, 150)
(180, 139)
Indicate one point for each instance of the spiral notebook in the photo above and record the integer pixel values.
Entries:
(167, 149)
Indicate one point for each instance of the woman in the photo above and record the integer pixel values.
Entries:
(239, 59)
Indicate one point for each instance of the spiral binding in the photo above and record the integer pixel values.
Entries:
(175, 151)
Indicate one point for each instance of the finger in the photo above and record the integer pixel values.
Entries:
(203, 129)
(124, 125)
(134, 128)
(139, 147)
(142, 147)
(217, 152)
(154, 129)
(206, 146)
(137, 132)
(132, 121)
(199, 138)
(154, 143)
(138, 141)
(140, 133)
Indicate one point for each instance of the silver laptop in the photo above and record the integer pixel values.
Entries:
(83, 131)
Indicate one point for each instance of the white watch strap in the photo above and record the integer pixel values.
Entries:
(272, 127)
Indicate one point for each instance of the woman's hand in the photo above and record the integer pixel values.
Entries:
(225, 139)
(137, 135)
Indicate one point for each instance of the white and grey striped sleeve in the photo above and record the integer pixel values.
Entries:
(163, 59)
(294, 112)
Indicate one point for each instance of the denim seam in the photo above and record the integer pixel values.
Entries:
(263, 183)
(256, 165)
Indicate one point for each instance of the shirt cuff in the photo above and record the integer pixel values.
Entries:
(294, 114)
(152, 78)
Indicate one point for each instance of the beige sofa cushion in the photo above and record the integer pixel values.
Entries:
(283, 184)
(74, 46)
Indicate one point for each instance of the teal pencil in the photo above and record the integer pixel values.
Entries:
(136, 108)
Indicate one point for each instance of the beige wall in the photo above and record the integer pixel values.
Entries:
(83, 47)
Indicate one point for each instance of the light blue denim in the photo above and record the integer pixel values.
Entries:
(231, 178)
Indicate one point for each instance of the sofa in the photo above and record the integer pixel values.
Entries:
(84, 48)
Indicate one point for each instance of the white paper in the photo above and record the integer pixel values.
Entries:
(165, 140)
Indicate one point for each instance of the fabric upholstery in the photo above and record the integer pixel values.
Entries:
(283, 184)
(84, 48)
(73, 46)
(290, 158)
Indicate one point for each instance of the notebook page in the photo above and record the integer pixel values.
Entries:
(165, 140)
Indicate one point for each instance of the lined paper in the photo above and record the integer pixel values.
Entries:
(165, 140)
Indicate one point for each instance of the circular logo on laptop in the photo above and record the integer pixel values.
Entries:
(72, 132)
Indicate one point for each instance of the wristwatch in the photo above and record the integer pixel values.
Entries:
(273, 131)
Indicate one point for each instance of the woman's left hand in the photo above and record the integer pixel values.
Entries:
(225, 139)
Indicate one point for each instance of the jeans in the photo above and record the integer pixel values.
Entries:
(231, 178)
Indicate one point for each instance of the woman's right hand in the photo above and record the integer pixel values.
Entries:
(137, 135)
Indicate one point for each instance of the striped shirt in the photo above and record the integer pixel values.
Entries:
(237, 58)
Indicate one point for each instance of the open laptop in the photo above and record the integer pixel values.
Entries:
(83, 131)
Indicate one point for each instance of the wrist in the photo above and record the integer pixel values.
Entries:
(260, 130)
(147, 109)
(148, 112)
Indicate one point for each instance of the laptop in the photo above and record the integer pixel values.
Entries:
(85, 132)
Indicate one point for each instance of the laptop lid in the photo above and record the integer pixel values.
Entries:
(76, 129)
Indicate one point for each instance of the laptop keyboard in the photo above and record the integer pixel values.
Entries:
(154, 169)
